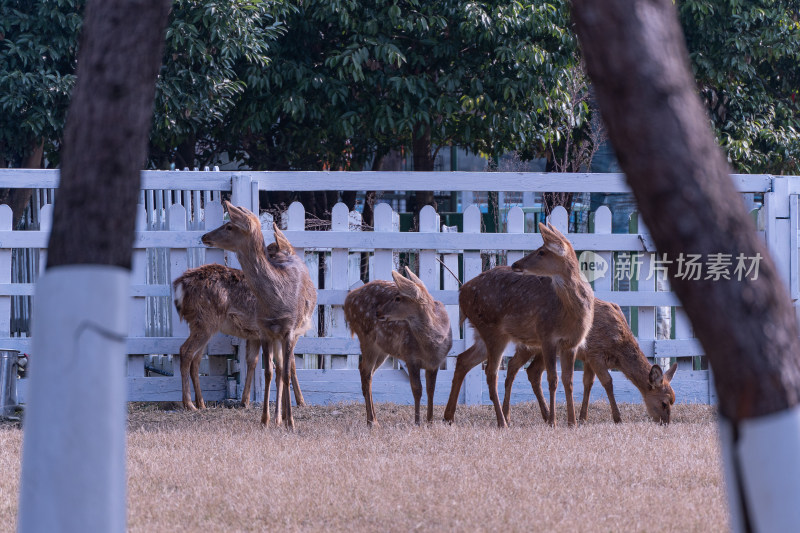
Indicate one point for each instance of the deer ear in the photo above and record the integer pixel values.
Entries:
(656, 377)
(671, 372)
(238, 216)
(280, 239)
(407, 287)
(413, 277)
(553, 239)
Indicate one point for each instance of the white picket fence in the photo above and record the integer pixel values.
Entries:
(178, 207)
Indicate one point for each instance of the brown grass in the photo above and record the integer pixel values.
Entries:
(218, 470)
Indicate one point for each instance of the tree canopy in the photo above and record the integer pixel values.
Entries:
(329, 84)
(745, 57)
(352, 78)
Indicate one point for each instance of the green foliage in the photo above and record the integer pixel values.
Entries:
(38, 43)
(352, 77)
(208, 43)
(745, 56)
(313, 83)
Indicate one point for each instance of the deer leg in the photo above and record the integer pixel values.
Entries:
(265, 347)
(416, 389)
(605, 380)
(535, 370)
(549, 356)
(521, 356)
(279, 384)
(251, 349)
(365, 367)
(465, 362)
(287, 346)
(298, 394)
(492, 367)
(588, 381)
(567, 370)
(198, 391)
(191, 348)
(430, 386)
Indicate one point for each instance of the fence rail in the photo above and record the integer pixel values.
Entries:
(177, 207)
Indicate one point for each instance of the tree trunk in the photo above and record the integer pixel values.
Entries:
(655, 120)
(423, 162)
(106, 132)
(80, 319)
(186, 153)
(637, 60)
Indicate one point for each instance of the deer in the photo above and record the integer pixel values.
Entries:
(403, 320)
(540, 301)
(610, 344)
(284, 293)
(212, 298)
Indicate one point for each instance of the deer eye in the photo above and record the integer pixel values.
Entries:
(229, 227)
(541, 253)
(396, 298)
(664, 405)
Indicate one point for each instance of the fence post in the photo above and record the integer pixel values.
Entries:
(646, 315)
(451, 283)
(7, 224)
(516, 224)
(45, 225)
(340, 259)
(138, 304)
(603, 281)
(473, 381)
(777, 211)
(429, 268)
(177, 266)
(384, 261)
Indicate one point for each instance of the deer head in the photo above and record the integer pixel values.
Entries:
(406, 305)
(659, 396)
(243, 224)
(234, 234)
(550, 259)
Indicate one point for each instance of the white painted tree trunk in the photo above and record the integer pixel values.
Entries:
(73, 474)
(761, 463)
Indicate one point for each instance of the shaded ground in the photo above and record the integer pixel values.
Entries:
(219, 470)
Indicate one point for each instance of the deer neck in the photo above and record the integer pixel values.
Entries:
(262, 276)
(572, 291)
(634, 366)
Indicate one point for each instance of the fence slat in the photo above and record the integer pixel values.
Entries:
(340, 221)
(6, 223)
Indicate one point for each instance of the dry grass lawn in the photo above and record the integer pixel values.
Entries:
(218, 470)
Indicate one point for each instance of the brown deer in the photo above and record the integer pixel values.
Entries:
(213, 298)
(403, 320)
(283, 290)
(550, 308)
(610, 344)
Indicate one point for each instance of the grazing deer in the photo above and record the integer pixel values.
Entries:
(213, 298)
(403, 320)
(539, 301)
(610, 344)
(283, 290)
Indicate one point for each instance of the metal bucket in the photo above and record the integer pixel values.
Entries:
(8, 382)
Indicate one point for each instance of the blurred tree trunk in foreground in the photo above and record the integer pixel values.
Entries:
(106, 133)
(638, 63)
(73, 468)
(639, 67)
